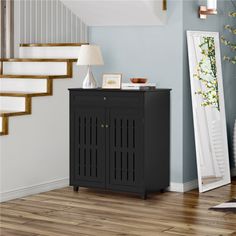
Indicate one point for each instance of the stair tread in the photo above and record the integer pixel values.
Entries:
(8, 111)
(27, 95)
(5, 76)
(22, 93)
(38, 59)
(52, 44)
(11, 113)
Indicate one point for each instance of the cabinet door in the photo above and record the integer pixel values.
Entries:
(125, 154)
(88, 146)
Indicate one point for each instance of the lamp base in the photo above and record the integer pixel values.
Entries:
(89, 81)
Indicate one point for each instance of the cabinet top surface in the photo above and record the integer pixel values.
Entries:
(119, 90)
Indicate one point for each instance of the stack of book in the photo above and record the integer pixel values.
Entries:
(138, 86)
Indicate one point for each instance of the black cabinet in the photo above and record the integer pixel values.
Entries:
(119, 140)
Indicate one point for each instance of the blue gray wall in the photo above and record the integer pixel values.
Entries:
(213, 23)
(160, 54)
(155, 53)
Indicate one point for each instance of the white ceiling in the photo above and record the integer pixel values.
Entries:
(118, 12)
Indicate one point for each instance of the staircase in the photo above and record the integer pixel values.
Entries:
(32, 75)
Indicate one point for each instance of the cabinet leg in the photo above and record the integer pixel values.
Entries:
(162, 190)
(76, 188)
(144, 196)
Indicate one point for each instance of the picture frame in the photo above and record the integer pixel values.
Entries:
(111, 81)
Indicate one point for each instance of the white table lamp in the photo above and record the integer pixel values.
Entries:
(90, 55)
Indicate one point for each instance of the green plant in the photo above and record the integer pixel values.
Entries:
(227, 42)
(207, 74)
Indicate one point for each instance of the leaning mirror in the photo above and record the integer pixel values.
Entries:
(208, 109)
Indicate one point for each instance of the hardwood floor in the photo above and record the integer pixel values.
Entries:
(66, 213)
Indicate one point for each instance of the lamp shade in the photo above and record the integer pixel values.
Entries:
(90, 55)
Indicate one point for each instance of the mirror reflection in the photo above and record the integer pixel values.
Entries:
(208, 110)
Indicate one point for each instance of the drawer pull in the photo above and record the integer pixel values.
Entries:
(102, 125)
(104, 98)
(107, 126)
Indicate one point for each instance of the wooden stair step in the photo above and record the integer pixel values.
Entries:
(50, 50)
(4, 76)
(17, 71)
(11, 69)
(4, 125)
(4, 114)
(14, 103)
(22, 94)
(52, 44)
(38, 59)
(7, 113)
(25, 85)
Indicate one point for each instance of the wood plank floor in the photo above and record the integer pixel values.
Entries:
(63, 212)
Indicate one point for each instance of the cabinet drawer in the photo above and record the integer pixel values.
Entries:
(108, 99)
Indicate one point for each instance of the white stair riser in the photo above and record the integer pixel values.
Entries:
(49, 52)
(12, 103)
(23, 85)
(35, 68)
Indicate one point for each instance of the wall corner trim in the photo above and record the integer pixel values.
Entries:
(34, 189)
(183, 187)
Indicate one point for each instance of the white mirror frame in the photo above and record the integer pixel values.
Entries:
(209, 111)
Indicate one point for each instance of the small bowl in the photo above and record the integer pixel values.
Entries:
(138, 80)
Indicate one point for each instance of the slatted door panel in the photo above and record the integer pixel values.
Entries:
(125, 141)
(89, 146)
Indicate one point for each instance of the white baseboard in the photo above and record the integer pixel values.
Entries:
(61, 183)
(233, 172)
(34, 189)
(183, 187)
